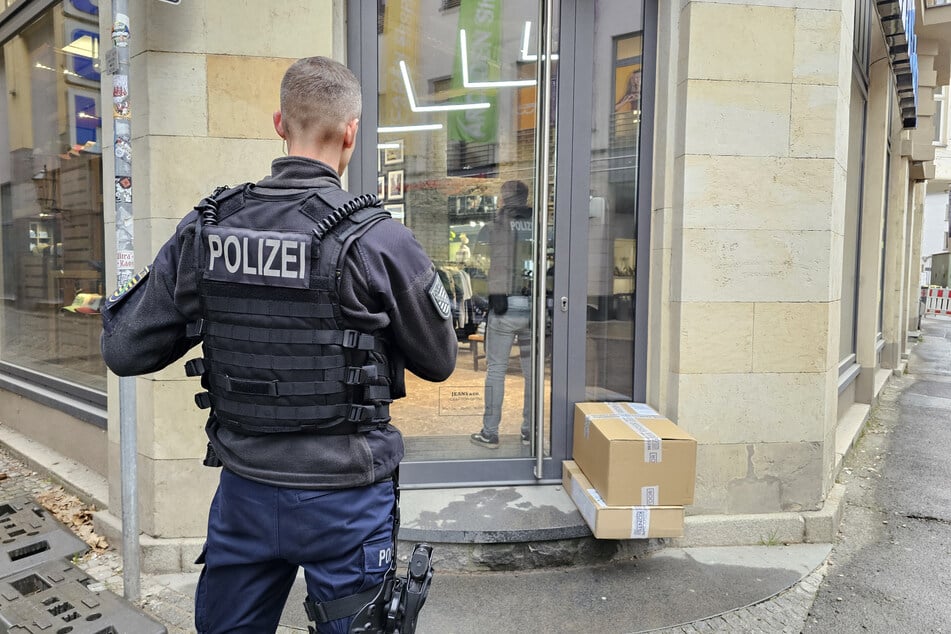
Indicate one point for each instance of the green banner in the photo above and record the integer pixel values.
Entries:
(481, 21)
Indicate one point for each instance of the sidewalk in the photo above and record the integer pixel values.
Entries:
(674, 590)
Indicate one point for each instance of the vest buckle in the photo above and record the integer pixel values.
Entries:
(203, 400)
(350, 339)
(359, 413)
(360, 376)
(195, 367)
(355, 376)
(195, 328)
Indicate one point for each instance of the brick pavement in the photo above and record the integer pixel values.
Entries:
(784, 613)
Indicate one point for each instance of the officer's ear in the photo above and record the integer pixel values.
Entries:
(350, 134)
(279, 124)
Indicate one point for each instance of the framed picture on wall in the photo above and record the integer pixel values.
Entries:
(397, 210)
(627, 74)
(393, 152)
(394, 185)
(381, 187)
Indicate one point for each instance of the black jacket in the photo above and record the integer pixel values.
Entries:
(384, 289)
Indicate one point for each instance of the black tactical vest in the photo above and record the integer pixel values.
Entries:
(277, 357)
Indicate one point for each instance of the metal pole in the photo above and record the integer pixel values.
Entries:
(540, 248)
(125, 268)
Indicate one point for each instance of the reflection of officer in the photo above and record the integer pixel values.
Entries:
(307, 316)
(510, 315)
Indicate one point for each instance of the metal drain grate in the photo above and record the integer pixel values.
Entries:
(54, 598)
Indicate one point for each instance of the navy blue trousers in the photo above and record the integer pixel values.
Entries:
(258, 536)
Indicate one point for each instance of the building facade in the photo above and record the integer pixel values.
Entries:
(727, 203)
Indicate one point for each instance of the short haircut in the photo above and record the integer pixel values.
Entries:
(319, 94)
(514, 194)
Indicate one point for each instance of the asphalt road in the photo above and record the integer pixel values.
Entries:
(891, 565)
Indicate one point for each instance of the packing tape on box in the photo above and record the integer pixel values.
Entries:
(621, 409)
(653, 446)
(590, 417)
(585, 507)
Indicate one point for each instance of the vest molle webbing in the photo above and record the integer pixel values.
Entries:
(277, 357)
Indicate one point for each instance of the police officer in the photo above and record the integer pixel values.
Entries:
(308, 303)
(510, 316)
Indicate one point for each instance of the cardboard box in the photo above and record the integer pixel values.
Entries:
(633, 455)
(619, 522)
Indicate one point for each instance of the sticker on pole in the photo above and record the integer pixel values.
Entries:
(120, 30)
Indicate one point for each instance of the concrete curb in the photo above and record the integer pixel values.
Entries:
(90, 487)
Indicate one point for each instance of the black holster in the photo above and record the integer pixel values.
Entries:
(391, 607)
(211, 458)
(396, 607)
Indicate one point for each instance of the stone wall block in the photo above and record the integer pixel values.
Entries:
(763, 478)
(841, 132)
(759, 193)
(291, 28)
(717, 466)
(715, 337)
(243, 93)
(814, 113)
(758, 408)
(816, 54)
(151, 234)
(756, 266)
(737, 118)
(223, 162)
(176, 428)
(164, 508)
(798, 466)
(157, 26)
(169, 95)
(840, 185)
(740, 42)
(792, 337)
(835, 266)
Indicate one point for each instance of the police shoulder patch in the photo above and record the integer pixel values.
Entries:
(127, 286)
(440, 298)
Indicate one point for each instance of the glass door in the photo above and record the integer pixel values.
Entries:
(518, 172)
(460, 159)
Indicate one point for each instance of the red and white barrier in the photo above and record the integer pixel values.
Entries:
(937, 301)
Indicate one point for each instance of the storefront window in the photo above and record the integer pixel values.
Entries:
(51, 234)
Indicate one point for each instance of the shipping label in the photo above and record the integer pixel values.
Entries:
(643, 410)
(650, 495)
(640, 522)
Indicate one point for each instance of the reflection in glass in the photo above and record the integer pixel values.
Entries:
(612, 215)
(457, 121)
(51, 237)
